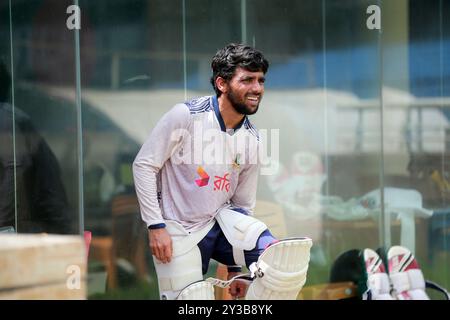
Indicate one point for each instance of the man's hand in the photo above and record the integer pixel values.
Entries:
(160, 244)
(237, 288)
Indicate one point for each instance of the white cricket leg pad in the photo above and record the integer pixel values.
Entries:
(201, 290)
(241, 231)
(280, 270)
(377, 281)
(185, 267)
(179, 273)
(406, 277)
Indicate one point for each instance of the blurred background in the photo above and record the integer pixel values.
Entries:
(359, 111)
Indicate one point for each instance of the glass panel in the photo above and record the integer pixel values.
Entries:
(416, 122)
(204, 35)
(132, 71)
(322, 96)
(202, 19)
(46, 176)
(7, 194)
(348, 111)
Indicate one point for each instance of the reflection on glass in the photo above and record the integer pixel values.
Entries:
(133, 76)
(30, 172)
(416, 125)
(328, 80)
(321, 80)
(45, 134)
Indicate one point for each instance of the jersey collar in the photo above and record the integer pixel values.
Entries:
(215, 102)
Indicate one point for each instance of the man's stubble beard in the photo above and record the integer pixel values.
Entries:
(239, 106)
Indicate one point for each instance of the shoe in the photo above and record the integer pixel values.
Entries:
(378, 286)
(405, 275)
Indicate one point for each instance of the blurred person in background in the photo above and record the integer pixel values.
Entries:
(30, 178)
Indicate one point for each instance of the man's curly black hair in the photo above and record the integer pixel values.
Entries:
(227, 59)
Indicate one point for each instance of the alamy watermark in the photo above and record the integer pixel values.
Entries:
(212, 147)
(374, 20)
(73, 281)
(74, 20)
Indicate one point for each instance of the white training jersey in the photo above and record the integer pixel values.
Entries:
(191, 166)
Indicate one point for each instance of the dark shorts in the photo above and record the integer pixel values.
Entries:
(216, 246)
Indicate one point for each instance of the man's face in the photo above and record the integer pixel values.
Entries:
(245, 91)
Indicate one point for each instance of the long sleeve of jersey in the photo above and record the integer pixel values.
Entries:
(163, 141)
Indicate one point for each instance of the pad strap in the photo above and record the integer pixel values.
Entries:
(409, 284)
(226, 283)
(379, 283)
(400, 281)
(416, 279)
(239, 256)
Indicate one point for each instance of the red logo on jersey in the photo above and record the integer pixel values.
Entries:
(221, 183)
(204, 177)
